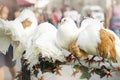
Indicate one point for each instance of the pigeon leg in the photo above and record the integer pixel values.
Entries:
(90, 61)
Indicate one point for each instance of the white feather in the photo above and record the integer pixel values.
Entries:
(28, 14)
(27, 33)
(5, 39)
(89, 36)
(16, 30)
(12, 35)
(44, 44)
(43, 28)
(13, 32)
(67, 33)
(22, 36)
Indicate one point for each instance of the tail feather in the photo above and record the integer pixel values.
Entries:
(117, 45)
(118, 54)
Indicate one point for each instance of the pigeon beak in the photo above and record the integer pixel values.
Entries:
(61, 23)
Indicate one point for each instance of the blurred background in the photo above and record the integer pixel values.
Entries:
(45, 8)
(84, 7)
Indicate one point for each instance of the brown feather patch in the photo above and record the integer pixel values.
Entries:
(107, 45)
(75, 50)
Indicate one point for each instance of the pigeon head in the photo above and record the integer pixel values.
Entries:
(67, 20)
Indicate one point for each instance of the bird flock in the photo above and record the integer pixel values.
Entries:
(24, 34)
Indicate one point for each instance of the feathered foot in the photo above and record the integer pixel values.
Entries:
(75, 50)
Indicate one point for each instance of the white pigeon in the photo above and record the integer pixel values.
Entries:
(44, 43)
(40, 29)
(89, 35)
(29, 30)
(67, 33)
(117, 45)
(17, 34)
(95, 40)
(29, 15)
(5, 38)
(73, 14)
(43, 28)
(10, 35)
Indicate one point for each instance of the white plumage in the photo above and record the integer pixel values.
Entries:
(14, 33)
(43, 28)
(74, 15)
(27, 33)
(29, 15)
(16, 30)
(5, 38)
(44, 43)
(10, 34)
(40, 29)
(90, 37)
(45, 39)
(67, 33)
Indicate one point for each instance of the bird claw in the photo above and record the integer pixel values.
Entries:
(108, 73)
(90, 61)
(100, 61)
(57, 70)
(69, 58)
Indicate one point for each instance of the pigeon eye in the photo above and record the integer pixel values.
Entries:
(64, 20)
